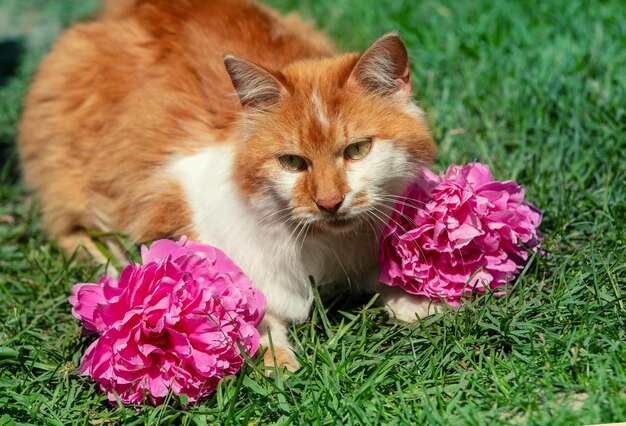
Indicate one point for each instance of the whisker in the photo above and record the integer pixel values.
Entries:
(268, 216)
(342, 268)
(390, 218)
(402, 200)
(382, 197)
(306, 230)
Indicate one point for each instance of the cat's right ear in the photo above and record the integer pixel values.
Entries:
(384, 67)
(257, 88)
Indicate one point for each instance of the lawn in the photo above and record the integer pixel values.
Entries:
(535, 89)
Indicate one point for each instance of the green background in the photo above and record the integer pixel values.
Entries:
(535, 89)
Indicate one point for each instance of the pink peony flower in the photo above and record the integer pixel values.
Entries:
(458, 232)
(175, 323)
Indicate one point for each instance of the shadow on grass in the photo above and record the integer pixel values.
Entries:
(11, 52)
(9, 163)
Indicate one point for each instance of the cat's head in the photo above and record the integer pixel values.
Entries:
(330, 142)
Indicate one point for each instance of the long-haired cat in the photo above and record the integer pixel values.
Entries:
(234, 125)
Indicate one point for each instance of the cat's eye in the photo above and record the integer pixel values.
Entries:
(293, 163)
(358, 150)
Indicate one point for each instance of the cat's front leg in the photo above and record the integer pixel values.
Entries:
(275, 341)
(286, 305)
(406, 307)
(400, 304)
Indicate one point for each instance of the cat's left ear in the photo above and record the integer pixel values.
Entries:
(257, 87)
(384, 67)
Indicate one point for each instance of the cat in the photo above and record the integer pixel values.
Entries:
(234, 125)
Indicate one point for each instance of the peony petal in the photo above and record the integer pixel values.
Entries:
(162, 250)
(456, 233)
(176, 323)
(464, 234)
(87, 299)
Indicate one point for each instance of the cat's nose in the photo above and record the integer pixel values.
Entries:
(329, 205)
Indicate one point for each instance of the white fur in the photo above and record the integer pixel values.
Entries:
(411, 108)
(385, 169)
(277, 261)
(318, 109)
(406, 307)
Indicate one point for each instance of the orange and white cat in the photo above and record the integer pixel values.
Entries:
(234, 125)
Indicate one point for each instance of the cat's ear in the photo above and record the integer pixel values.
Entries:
(384, 67)
(257, 87)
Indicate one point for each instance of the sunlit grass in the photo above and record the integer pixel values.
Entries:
(534, 89)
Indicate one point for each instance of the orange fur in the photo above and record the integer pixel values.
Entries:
(280, 357)
(145, 82)
(120, 101)
(352, 113)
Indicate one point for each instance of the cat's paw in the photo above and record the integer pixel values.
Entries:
(407, 307)
(279, 357)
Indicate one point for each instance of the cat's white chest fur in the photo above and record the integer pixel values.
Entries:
(277, 261)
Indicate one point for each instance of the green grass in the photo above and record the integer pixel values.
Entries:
(535, 89)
